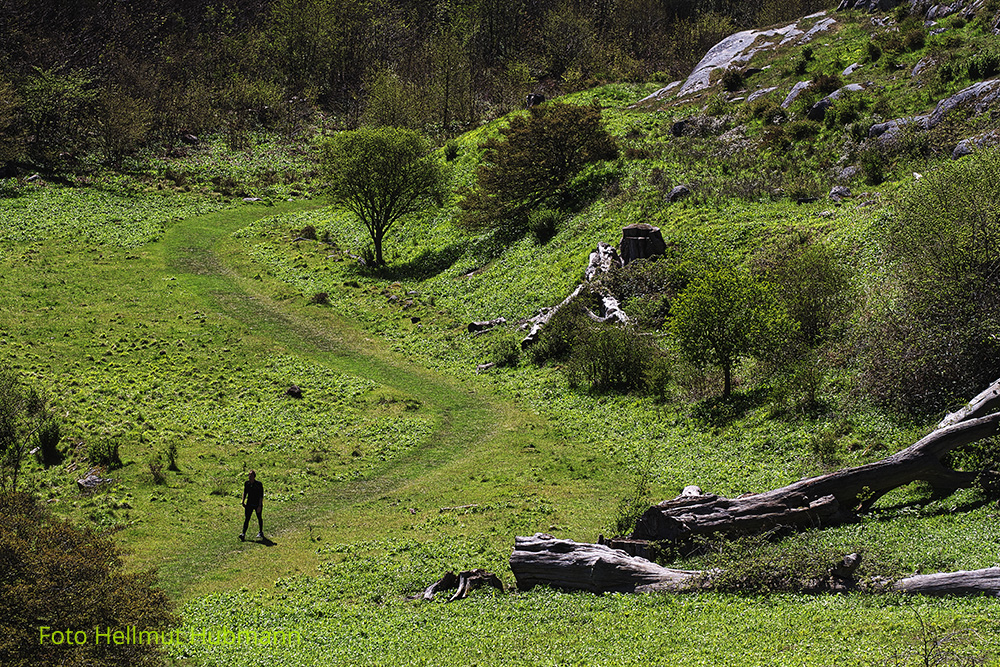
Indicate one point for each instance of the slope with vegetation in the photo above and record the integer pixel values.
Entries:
(165, 319)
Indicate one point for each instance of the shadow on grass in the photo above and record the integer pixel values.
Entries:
(721, 411)
(427, 264)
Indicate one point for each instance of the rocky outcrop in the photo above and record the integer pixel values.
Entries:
(977, 98)
(738, 49)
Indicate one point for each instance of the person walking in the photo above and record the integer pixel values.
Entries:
(253, 501)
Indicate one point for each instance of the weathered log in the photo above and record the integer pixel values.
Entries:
(543, 560)
(641, 241)
(602, 260)
(963, 582)
(463, 583)
(833, 498)
(486, 325)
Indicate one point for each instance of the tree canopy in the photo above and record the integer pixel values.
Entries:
(381, 174)
(55, 575)
(725, 315)
(533, 161)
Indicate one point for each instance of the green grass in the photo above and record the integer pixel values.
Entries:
(181, 318)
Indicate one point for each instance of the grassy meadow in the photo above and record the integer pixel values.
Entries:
(169, 320)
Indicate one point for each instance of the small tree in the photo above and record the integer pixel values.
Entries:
(726, 315)
(381, 174)
(532, 163)
(23, 414)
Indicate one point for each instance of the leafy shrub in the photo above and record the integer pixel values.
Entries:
(505, 352)
(802, 129)
(156, 471)
(610, 358)
(732, 79)
(172, 457)
(57, 576)
(533, 161)
(48, 438)
(874, 163)
(104, 453)
(984, 64)
(873, 52)
(759, 564)
(914, 40)
(825, 84)
(543, 224)
(935, 341)
(562, 331)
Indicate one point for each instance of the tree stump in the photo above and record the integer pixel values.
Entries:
(641, 241)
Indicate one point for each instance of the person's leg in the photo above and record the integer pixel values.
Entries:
(260, 522)
(246, 519)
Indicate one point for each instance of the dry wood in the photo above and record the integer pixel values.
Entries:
(833, 498)
(463, 583)
(486, 325)
(543, 560)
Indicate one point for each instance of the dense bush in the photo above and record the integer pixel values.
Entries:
(611, 358)
(104, 452)
(24, 419)
(55, 575)
(933, 332)
(725, 315)
(532, 163)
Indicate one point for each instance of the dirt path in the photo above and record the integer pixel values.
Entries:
(466, 420)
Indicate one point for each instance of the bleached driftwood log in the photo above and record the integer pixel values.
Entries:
(833, 498)
(543, 560)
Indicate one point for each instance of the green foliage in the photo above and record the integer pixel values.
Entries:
(561, 333)
(544, 224)
(55, 577)
(763, 565)
(532, 163)
(104, 452)
(56, 107)
(381, 175)
(24, 418)
(612, 358)
(935, 334)
(732, 79)
(48, 437)
(505, 351)
(725, 315)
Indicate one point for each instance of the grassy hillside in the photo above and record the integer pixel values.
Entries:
(168, 319)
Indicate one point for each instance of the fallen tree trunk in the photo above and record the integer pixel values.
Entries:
(463, 583)
(543, 560)
(833, 498)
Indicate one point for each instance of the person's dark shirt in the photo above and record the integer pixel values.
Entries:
(254, 492)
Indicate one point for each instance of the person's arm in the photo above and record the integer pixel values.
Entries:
(260, 503)
(243, 501)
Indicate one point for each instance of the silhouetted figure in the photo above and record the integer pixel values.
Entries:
(253, 501)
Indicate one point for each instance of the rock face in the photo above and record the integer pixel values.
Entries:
(867, 5)
(737, 49)
(641, 241)
(678, 193)
(977, 98)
